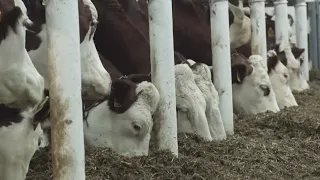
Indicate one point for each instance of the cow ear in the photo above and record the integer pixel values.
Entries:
(42, 112)
(238, 73)
(122, 95)
(276, 48)
(282, 58)
(272, 62)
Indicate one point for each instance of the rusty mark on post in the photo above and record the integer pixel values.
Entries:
(59, 123)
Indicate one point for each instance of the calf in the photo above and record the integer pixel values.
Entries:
(20, 83)
(96, 81)
(20, 137)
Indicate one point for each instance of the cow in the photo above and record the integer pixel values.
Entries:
(279, 77)
(20, 136)
(20, 84)
(202, 76)
(95, 79)
(124, 121)
(251, 87)
(278, 74)
(296, 81)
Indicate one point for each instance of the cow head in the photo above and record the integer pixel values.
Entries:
(21, 136)
(96, 81)
(279, 77)
(124, 123)
(240, 28)
(296, 81)
(251, 87)
(21, 84)
(202, 76)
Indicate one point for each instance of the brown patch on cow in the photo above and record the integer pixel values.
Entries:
(272, 62)
(122, 95)
(85, 19)
(9, 20)
(297, 52)
(37, 15)
(119, 41)
(240, 67)
(33, 41)
(9, 115)
(110, 68)
(282, 58)
(245, 50)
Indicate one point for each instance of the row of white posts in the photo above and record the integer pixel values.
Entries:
(65, 76)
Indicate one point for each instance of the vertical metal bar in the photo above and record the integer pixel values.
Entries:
(313, 34)
(162, 69)
(302, 34)
(65, 90)
(281, 21)
(221, 60)
(258, 26)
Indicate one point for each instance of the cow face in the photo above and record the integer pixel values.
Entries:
(279, 77)
(124, 122)
(296, 81)
(191, 104)
(202, 76)
(251, 89)
(20, 134)
(22, 85)
(96, 81)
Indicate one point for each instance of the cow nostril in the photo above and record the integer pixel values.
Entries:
(265, 89)
(136, 127)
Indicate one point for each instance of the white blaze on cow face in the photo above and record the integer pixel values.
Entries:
(191, 104)
(254, 94)
(296, 81)
(279, 78)
(20, 84)
(202, 76)
(19, 142)
(240, 29)
(126, 133)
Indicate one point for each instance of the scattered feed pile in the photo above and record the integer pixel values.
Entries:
(269, 146)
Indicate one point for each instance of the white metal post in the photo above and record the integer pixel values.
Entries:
(281, 20)
(64, 70)
(221, 60)
(162, 69)
(258, 28)
(302, 34)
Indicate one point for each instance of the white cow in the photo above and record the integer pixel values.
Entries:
(202, 76)
(251, 89)
(191, 104)
(279, 77)
(296, 81)
(124, 122)
(20, 83)
(96, 81)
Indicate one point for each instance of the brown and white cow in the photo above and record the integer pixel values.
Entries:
(20, 136)
(20, 84)
(96, 81)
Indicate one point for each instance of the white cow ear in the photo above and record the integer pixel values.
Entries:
(149, 94)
